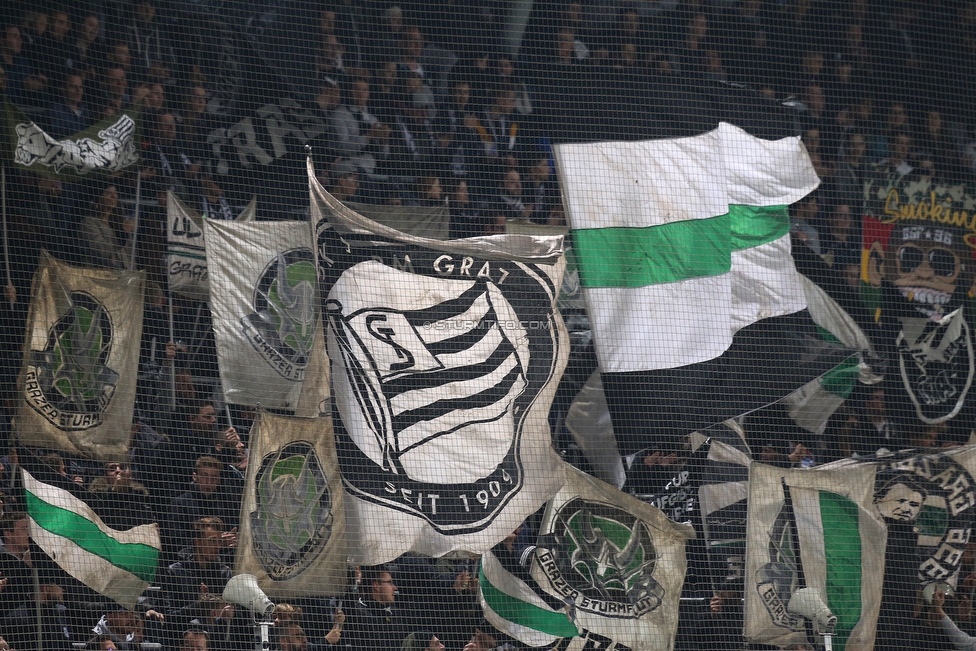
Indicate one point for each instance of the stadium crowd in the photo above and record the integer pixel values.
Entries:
(420, 105)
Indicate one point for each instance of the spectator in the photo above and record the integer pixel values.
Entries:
(85, 45)
(360, 136)
(505, 71)
(56, 54)
(374, 623)
(466, 219)
(840, 246)
(412, 141)
(152, 54)
(101, 233)
(70, 115)
(206, 497)
(22, 84)
(499, 128)
(195, 639)
(848, 177)
(113, 93)
(291, 637)
(960, 640)
(542, 194)
(168, 165)
(510, 195)
(126, 500)
(199, 571)
(345, 181)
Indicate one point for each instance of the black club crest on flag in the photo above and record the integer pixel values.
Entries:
(434, 375)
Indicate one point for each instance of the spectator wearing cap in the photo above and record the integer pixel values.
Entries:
(126, 500)
(345, 181)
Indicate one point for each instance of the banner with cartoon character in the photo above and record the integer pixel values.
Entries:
(78, 381)
(867, 536)
(292, 531)
(445, 359)
(108, 146)
(616, 562)
(186, 255)
(266, 314)
(918, 262)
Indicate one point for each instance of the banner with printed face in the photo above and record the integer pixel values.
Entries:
(292, 533)
(917, 263)
(445, 358)
(186, 255)
(617, 562)
(78, 381)
(868, 536)
(266, 313)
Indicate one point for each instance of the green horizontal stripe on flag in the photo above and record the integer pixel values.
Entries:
(756, 225)
(637, 257)
(842, 553)
(135, 558)
(653, 255)
(526, 614)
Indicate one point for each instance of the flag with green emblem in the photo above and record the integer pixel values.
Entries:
(78, 381)
(292, 531)
(266, 314)
(617, 564)
(117, 564)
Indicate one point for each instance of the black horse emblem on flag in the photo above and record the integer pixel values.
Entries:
(433, 382)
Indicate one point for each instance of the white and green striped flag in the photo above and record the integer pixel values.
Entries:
(683, 240)
(514, 608)
(867, 535)
(680, 224)
(117, 564)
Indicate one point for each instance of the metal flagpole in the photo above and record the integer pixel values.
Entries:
(6, 246)
(135, 229)
(37, 603)
(172, 362)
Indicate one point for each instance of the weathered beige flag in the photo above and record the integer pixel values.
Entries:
(292, 531)
(78, 381)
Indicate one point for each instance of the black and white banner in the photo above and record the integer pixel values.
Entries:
(445, 357)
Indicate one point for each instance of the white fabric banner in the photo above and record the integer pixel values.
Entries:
(266, 314)
(293, 533)
(78, 382)
(186, 259)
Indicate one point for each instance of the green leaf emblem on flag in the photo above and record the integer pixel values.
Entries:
(293, 519)
(282, 327)
(68, 382)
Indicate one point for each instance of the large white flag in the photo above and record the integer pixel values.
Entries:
(78, 382)
(186, 256)
(266, 314)
(117, 564)
(617, 562)
(292, 533)
(445, 359)
(830, 528)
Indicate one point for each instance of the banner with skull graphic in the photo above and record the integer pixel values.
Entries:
(918, 262)
(292, 532)
(617, 562)
(266, 314)
(78, 381)
(445, 358)
(866, 535)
